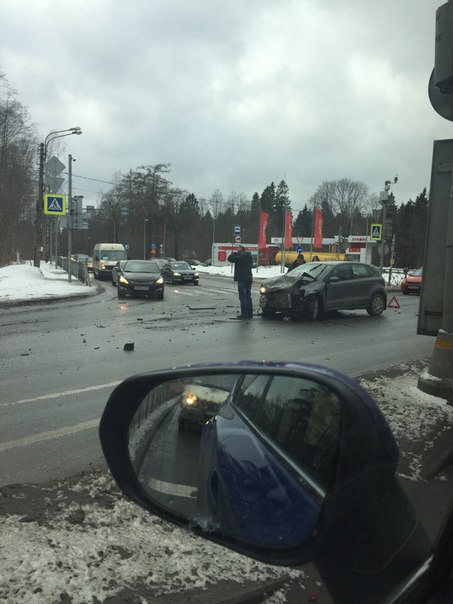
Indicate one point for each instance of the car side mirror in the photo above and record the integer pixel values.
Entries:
(266, 459)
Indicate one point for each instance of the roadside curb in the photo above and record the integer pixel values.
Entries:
(91, 291)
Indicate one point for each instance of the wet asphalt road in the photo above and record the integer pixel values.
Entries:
(60, 361)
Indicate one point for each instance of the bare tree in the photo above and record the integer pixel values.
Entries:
(344, 197)
(17, 161)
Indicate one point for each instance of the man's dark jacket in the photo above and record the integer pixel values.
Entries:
(243, 263)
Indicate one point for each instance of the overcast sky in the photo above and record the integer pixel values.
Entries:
(232, 94)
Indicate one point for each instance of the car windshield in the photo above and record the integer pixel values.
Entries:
(180, 266)
(112, 255)
(311, 269)
(137, 266)
(417, 273)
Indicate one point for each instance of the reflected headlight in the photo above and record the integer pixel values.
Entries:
(123, 279)
(176, 274)
(196, 275)
(263, 289)
(159, 281)
(189, 399)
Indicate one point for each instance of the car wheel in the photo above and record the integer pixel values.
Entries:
(266, 313)
(96, 274)
(377, 305)
(113, 282)
(405, 293)
(171, 280)
(121, 294)
(313, 308)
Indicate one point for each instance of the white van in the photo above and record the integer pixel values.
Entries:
(105, 256)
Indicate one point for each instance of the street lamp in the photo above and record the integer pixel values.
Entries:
(144, 237)
(40, 202)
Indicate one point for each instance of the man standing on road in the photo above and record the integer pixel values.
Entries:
(243, 261)
(297, 262)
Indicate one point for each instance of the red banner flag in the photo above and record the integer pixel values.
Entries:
(288, 230)
(319, 221)
(263, 226)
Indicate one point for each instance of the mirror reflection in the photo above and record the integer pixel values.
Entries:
(239, 454)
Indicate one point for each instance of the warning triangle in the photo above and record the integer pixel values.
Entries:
(393, 300)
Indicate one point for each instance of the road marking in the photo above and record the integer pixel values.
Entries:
(170, 488)
(207, 292)
(60, 394)
(49, 435)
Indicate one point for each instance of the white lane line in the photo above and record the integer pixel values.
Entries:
(170, 488)
(60, 394)
(49, 435)
(207, 292)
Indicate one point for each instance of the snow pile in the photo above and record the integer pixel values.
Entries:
(414, 416)
(21, 282)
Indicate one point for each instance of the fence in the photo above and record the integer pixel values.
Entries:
(78, 269)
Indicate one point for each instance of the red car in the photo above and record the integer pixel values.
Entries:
(412, 283)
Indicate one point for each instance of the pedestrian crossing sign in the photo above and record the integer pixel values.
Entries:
(376, 232)
(55, 205)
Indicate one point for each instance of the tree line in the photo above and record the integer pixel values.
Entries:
(144, 208)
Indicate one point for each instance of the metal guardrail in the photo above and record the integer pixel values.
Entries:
(78, 270)
(394, 277)
(153, 410)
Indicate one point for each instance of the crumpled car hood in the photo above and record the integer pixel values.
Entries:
(286, 281)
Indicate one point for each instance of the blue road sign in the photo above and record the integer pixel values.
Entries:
(126, 247)
(153, 246)
(376, 232)
(298, 249)
(54, 204)
(237, 229)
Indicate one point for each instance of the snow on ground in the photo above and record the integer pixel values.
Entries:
(96, 547)
(22, 282)
(416, 419)
(83, 542)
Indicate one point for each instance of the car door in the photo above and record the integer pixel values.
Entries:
(340, 289)
(364, 280)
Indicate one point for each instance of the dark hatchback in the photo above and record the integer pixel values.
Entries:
(317, 287)
(180, 272)
(140, 278)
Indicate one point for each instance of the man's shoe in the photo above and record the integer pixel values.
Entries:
(238, 318)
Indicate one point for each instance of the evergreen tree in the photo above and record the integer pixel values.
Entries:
(303, 225)
(280, 205)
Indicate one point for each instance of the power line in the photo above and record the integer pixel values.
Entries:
(107, 182)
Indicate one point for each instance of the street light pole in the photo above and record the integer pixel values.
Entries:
(40, 201)
(144, 237)
(69, 220)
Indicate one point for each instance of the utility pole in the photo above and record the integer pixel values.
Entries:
(69, 221)
(384, 201)
(40, 201)
(39, 207)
